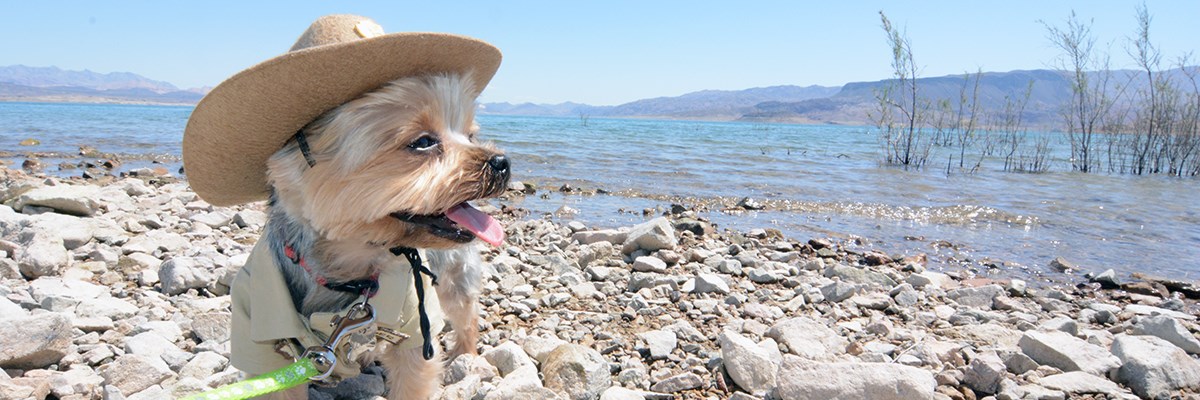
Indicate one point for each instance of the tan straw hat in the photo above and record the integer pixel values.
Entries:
(241, 122)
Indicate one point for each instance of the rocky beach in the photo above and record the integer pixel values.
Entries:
(117, 287)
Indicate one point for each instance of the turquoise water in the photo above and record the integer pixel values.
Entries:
(829, 176)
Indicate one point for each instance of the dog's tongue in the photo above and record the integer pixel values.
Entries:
(482, 225)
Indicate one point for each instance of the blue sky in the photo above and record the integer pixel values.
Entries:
(599, 52)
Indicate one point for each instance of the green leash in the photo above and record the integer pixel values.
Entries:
(303, 371)
(284, 378)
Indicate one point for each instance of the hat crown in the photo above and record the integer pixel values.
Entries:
(338, 28)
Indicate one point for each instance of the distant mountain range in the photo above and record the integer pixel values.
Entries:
(51, 84)
(848, 104)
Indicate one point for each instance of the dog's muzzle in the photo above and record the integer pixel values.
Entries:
(500, 169)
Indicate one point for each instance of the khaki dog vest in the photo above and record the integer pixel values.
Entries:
(263, 316)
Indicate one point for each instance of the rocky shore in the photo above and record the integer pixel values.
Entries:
(117, 288)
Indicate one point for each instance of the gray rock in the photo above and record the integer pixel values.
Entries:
(1153, 367)
(179, 274)
(660, 343)
(706, 283)
(1107, 279)
(753, 366)
(985, 373)
(67, 199)
(649, 264)
(592, 252)
(759, 275)
(977, 297)
(1068, 353)
(1062, 324)
(1080, 382)
(508, 357)
(859, 275)
(655, 234)
(34, 341)
(803, 379)
(1168, 329)
(838, 291)
(134, 373)
(151, 344)
(934, 280)
(678, 383)
(807, 338)
(577, 371)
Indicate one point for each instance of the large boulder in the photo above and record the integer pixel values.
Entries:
(182, 273)
(1168, 329)
(132, 373)
(42, 253)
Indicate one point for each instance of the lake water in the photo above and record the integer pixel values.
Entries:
(824, 181)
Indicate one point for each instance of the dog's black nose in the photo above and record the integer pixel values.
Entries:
(499, 164)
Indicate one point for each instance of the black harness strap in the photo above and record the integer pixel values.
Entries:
(302, 141)
(414, 260)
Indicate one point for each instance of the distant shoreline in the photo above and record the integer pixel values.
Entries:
(88, 100)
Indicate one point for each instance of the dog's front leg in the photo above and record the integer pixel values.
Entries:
(409, 375)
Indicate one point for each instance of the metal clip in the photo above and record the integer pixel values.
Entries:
(359, 316)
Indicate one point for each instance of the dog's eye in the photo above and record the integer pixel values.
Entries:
(423, 143)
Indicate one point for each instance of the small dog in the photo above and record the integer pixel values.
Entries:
(364, 144)
(392, 168)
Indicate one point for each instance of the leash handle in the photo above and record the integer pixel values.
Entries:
(284, 378)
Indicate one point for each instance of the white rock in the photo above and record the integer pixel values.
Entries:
(706, 283)
(215, 219)
(151, 344)
(1168, 329)
(607, 235)
(649, 264)
(1153, 367)
(1080, 382)
(753, 366)
(34, 341)
(133, 373)
(803, 379)
(659, 342)
(521, 383)
(42, 253)
(250, 218)
(539, 347)
(807, 338)
(106, 307)
(179, 274)
(469, 365)
(1068, 353)
(1142, 309)
(74, 231)
(576, 371)
(66, 199)
(508, 357)
(655, 234)
(203, 365)
(8, 309)
(155, 240)
(985, 373)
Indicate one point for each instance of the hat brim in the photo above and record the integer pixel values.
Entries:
(238, 125)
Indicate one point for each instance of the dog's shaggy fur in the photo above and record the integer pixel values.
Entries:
(406, 148)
